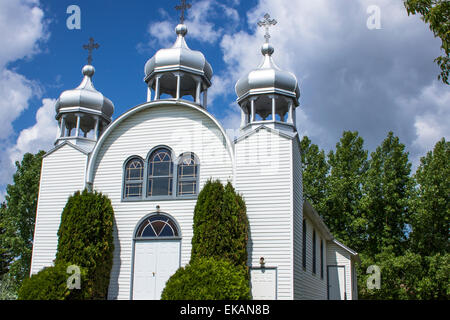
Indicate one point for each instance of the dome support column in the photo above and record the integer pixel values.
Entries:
(274, 107)
(291, 113)
(77, 130)
(96, 128)
(252, 108)
(205, 98)
(198, 91)
(63, 127)
(157, 87)
(178, 94)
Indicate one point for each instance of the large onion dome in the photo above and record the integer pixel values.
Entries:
(83, 112)
(86, 96)
(178, 71)
(268, 94)
(268, 78)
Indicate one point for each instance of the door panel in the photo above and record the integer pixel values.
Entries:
(168, 263)
(336, 283)
(263, 284)
(154, 263)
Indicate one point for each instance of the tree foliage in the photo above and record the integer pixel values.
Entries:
(6, 256)
(220, 224)
(315, 170)
(409, 276)
(18, 218)
(386, 192)
(430, 222)
(343, 213)
(51, 284)
(436, 13)
(208, 279)
(86, 239)
(218, 267)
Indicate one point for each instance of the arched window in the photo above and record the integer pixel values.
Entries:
(187, 175)
(134, 176)
(157, 226)
(160, 173)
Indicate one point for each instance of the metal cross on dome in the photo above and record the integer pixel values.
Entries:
(183, 7)
(90, 47)
(267, 23)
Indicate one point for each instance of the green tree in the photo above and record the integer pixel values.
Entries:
(208, 279)
(86, 239)
(5, 254)
(343, 214)
(436, 13)
(220, 224)
(386, 188)
(19, 217)
(218, 267)
(430, 220)
(315, 170)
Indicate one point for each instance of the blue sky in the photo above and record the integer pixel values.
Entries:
(352, 77)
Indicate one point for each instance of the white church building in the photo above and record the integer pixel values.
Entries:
(153, 160)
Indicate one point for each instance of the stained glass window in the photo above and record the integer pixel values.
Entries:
(134, 175)
(160, 173)
(187, 175)
(157, 226)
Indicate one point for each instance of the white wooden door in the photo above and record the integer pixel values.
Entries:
(336, 283)
(154, 263)
(263, 284)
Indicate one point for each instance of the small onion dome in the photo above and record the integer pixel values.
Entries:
(86, 96)
(179, 58)
(268, 78)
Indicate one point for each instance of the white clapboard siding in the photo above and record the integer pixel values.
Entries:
(298, 217)
(62, 173)
(264, 178)
(337, 256)
(182, 129)
(313, 286)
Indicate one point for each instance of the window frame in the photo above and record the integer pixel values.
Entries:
(304, 244)
(321, 258)
(196, 178)
(147, 178)
(150, 216)
(314, 252)
(125, 181)
(145, 181)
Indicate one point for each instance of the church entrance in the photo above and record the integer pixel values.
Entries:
(156, 256)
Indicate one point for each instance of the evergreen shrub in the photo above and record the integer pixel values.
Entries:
(208, 279)
(51, 284)
(86, 239)
(220, 224)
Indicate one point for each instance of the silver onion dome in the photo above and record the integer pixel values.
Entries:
(268, 78)
(86, 96)
(179, 58)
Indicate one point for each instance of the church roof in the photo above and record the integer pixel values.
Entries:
(86, 96)
(268, 78)
(179, 58)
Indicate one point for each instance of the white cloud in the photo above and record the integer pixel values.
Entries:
(201, 23)
(15, 93)
(24, 27)
(351, 78)
(41, 136)
(24, 21)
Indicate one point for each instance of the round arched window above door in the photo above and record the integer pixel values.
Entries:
(157, 226)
